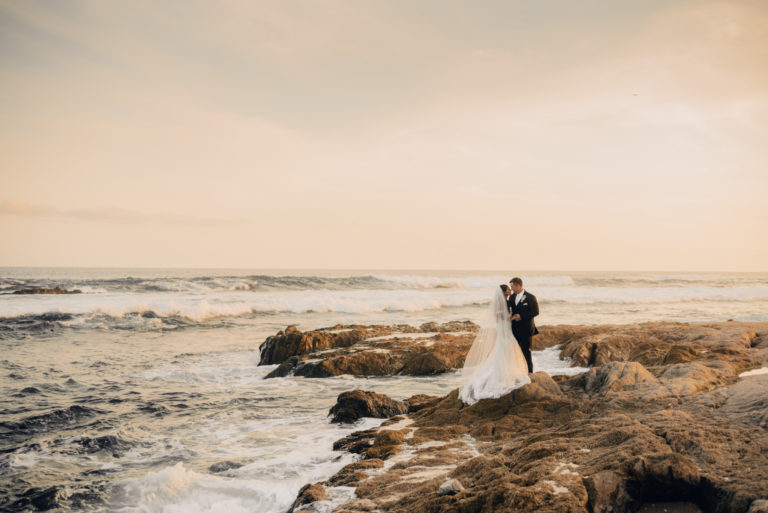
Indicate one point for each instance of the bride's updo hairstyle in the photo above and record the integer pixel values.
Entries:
(504, 288)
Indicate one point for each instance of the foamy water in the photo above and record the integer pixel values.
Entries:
(143, 393)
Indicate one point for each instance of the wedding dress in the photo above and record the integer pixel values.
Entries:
(495, 364)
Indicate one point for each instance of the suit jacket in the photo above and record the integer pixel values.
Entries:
(528, 308)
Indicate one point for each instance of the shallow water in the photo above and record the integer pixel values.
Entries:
(143, 393)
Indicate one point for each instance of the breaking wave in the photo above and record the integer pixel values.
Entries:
(162, 311)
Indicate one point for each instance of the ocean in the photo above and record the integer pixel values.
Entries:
(142, 392)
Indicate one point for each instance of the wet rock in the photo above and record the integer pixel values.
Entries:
(351, 406)
(40, 290)
(293, 342)
(308, 494)
(284, 369)
(223, 466)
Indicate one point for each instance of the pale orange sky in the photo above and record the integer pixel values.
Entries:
(391, 134)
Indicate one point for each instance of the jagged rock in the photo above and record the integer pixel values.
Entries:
(351, 406)
(357, 442)
(308, 494)
(284, 369)
(292, 342)
(368, 351)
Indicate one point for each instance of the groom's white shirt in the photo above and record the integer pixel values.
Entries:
(519, 297)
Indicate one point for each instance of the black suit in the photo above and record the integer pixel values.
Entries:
(525, 328)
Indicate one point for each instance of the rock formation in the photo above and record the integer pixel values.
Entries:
(368, 350)
(663, 416)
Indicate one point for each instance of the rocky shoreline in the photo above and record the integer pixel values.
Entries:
(662, 415)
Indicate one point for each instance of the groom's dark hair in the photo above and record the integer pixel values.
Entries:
(516, 281)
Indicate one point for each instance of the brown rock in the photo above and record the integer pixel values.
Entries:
(357, 442)
(309, 493)
(368, 350)
(354, 472)
(292, 342)
(419, 401)
(351, 406)
(747, 401)
(386, 442)
(692, 378)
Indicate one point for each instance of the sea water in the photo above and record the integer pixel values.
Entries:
(143, 392)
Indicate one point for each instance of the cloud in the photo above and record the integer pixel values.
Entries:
(110, 214)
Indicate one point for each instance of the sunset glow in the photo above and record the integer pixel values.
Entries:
(418, 135)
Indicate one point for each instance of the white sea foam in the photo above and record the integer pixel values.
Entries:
(549, 361)
(470, 282)
(202, 308)
(754, 372)
(178, 489)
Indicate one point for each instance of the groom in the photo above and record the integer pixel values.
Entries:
(524, 308)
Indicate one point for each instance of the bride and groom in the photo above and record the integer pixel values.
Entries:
(500, 357)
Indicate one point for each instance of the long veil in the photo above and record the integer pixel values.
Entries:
(495, 318)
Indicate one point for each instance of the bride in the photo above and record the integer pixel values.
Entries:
(495, 365)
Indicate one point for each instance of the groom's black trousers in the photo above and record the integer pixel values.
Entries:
(525, 340)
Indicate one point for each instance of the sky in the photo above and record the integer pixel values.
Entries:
(426, 134)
